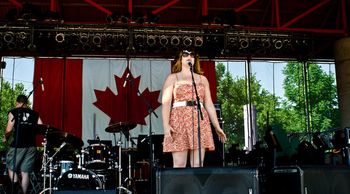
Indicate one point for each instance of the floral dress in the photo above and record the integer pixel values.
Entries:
(183, 120)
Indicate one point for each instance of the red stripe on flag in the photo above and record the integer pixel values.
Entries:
(60, 105)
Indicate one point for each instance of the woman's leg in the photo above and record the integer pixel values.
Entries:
(179, 159)
(195, 158)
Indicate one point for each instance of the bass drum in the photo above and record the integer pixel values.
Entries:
(79, 179)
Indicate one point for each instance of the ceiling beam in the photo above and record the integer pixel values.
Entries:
(99, 7)
(156, 11)
(307, 12)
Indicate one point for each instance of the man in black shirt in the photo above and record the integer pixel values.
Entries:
(23, 119)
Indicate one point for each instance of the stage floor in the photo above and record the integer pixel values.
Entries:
(211, 180)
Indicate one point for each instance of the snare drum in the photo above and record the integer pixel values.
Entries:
(98, 157)
(79, 179)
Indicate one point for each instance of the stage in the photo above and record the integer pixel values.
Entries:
(207, 180)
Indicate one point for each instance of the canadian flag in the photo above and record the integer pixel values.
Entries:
(84, 96)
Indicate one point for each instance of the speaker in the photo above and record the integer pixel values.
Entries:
(207, 180)
(286, 180)
(86, 192)
(326, 179)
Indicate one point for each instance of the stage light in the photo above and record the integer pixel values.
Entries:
(265, 42)
(198, 41)
(97, 39)
(22, 35)
(151, 40)
(175, 40)
(163, 40)
(9, 37)
(244, 43)
(187, 41)
(60, 37)
(84, 38)
(278, 44)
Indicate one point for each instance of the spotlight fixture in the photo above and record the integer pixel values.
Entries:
(139, 38)
(187, 41)
(244, 43)
(198, 41)
(232, 41)
(151, 40)
(59, 38)
(163, 40)
(278, 44)
(266, 43)
(22, 35)
(175, 40)
(97, 40)
(84, 38)
(9, 37)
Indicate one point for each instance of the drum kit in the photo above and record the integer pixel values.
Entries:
(66, 165)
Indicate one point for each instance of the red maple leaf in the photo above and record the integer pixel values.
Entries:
(129, 105)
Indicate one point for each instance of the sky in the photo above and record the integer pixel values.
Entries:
(19, 70)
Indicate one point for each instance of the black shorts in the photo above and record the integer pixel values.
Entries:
(25, 159)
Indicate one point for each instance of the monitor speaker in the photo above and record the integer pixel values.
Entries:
(286, 180)
(86, 192)
(326, 179)
(207, 180)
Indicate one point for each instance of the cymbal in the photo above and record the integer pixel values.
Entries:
(120, 126)
(42, 129)
(57, 138)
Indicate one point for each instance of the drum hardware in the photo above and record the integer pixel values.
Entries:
(59, 140)
(81, 158)
(122, 128)
(48, 161)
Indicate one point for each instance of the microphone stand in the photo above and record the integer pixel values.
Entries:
(199, 116)
(16, 140)
(151, 151)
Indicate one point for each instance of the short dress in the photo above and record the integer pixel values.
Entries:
(183, 120)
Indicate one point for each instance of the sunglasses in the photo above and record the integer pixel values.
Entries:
(186, 53)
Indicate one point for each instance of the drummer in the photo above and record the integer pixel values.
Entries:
(24, 119)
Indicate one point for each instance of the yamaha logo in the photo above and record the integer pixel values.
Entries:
(78, 176)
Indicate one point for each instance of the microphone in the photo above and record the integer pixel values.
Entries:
(126, 79)
(189, 63)
(41, 81)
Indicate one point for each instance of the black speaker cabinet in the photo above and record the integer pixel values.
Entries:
(286, 180)
(326, 179)
(207, 181)
(86, 192)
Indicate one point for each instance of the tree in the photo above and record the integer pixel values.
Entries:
(232, 94)
(8, 101)
(321, 95)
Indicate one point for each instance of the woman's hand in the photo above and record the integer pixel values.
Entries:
(221, 134)
(168, 130)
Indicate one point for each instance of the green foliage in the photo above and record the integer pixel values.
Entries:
(232, 95)
(8, 101)
(321, 95)
(289, 113)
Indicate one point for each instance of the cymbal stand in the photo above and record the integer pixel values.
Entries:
(49, 161)
(81, 158)
(43, 167)
(120, 186)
